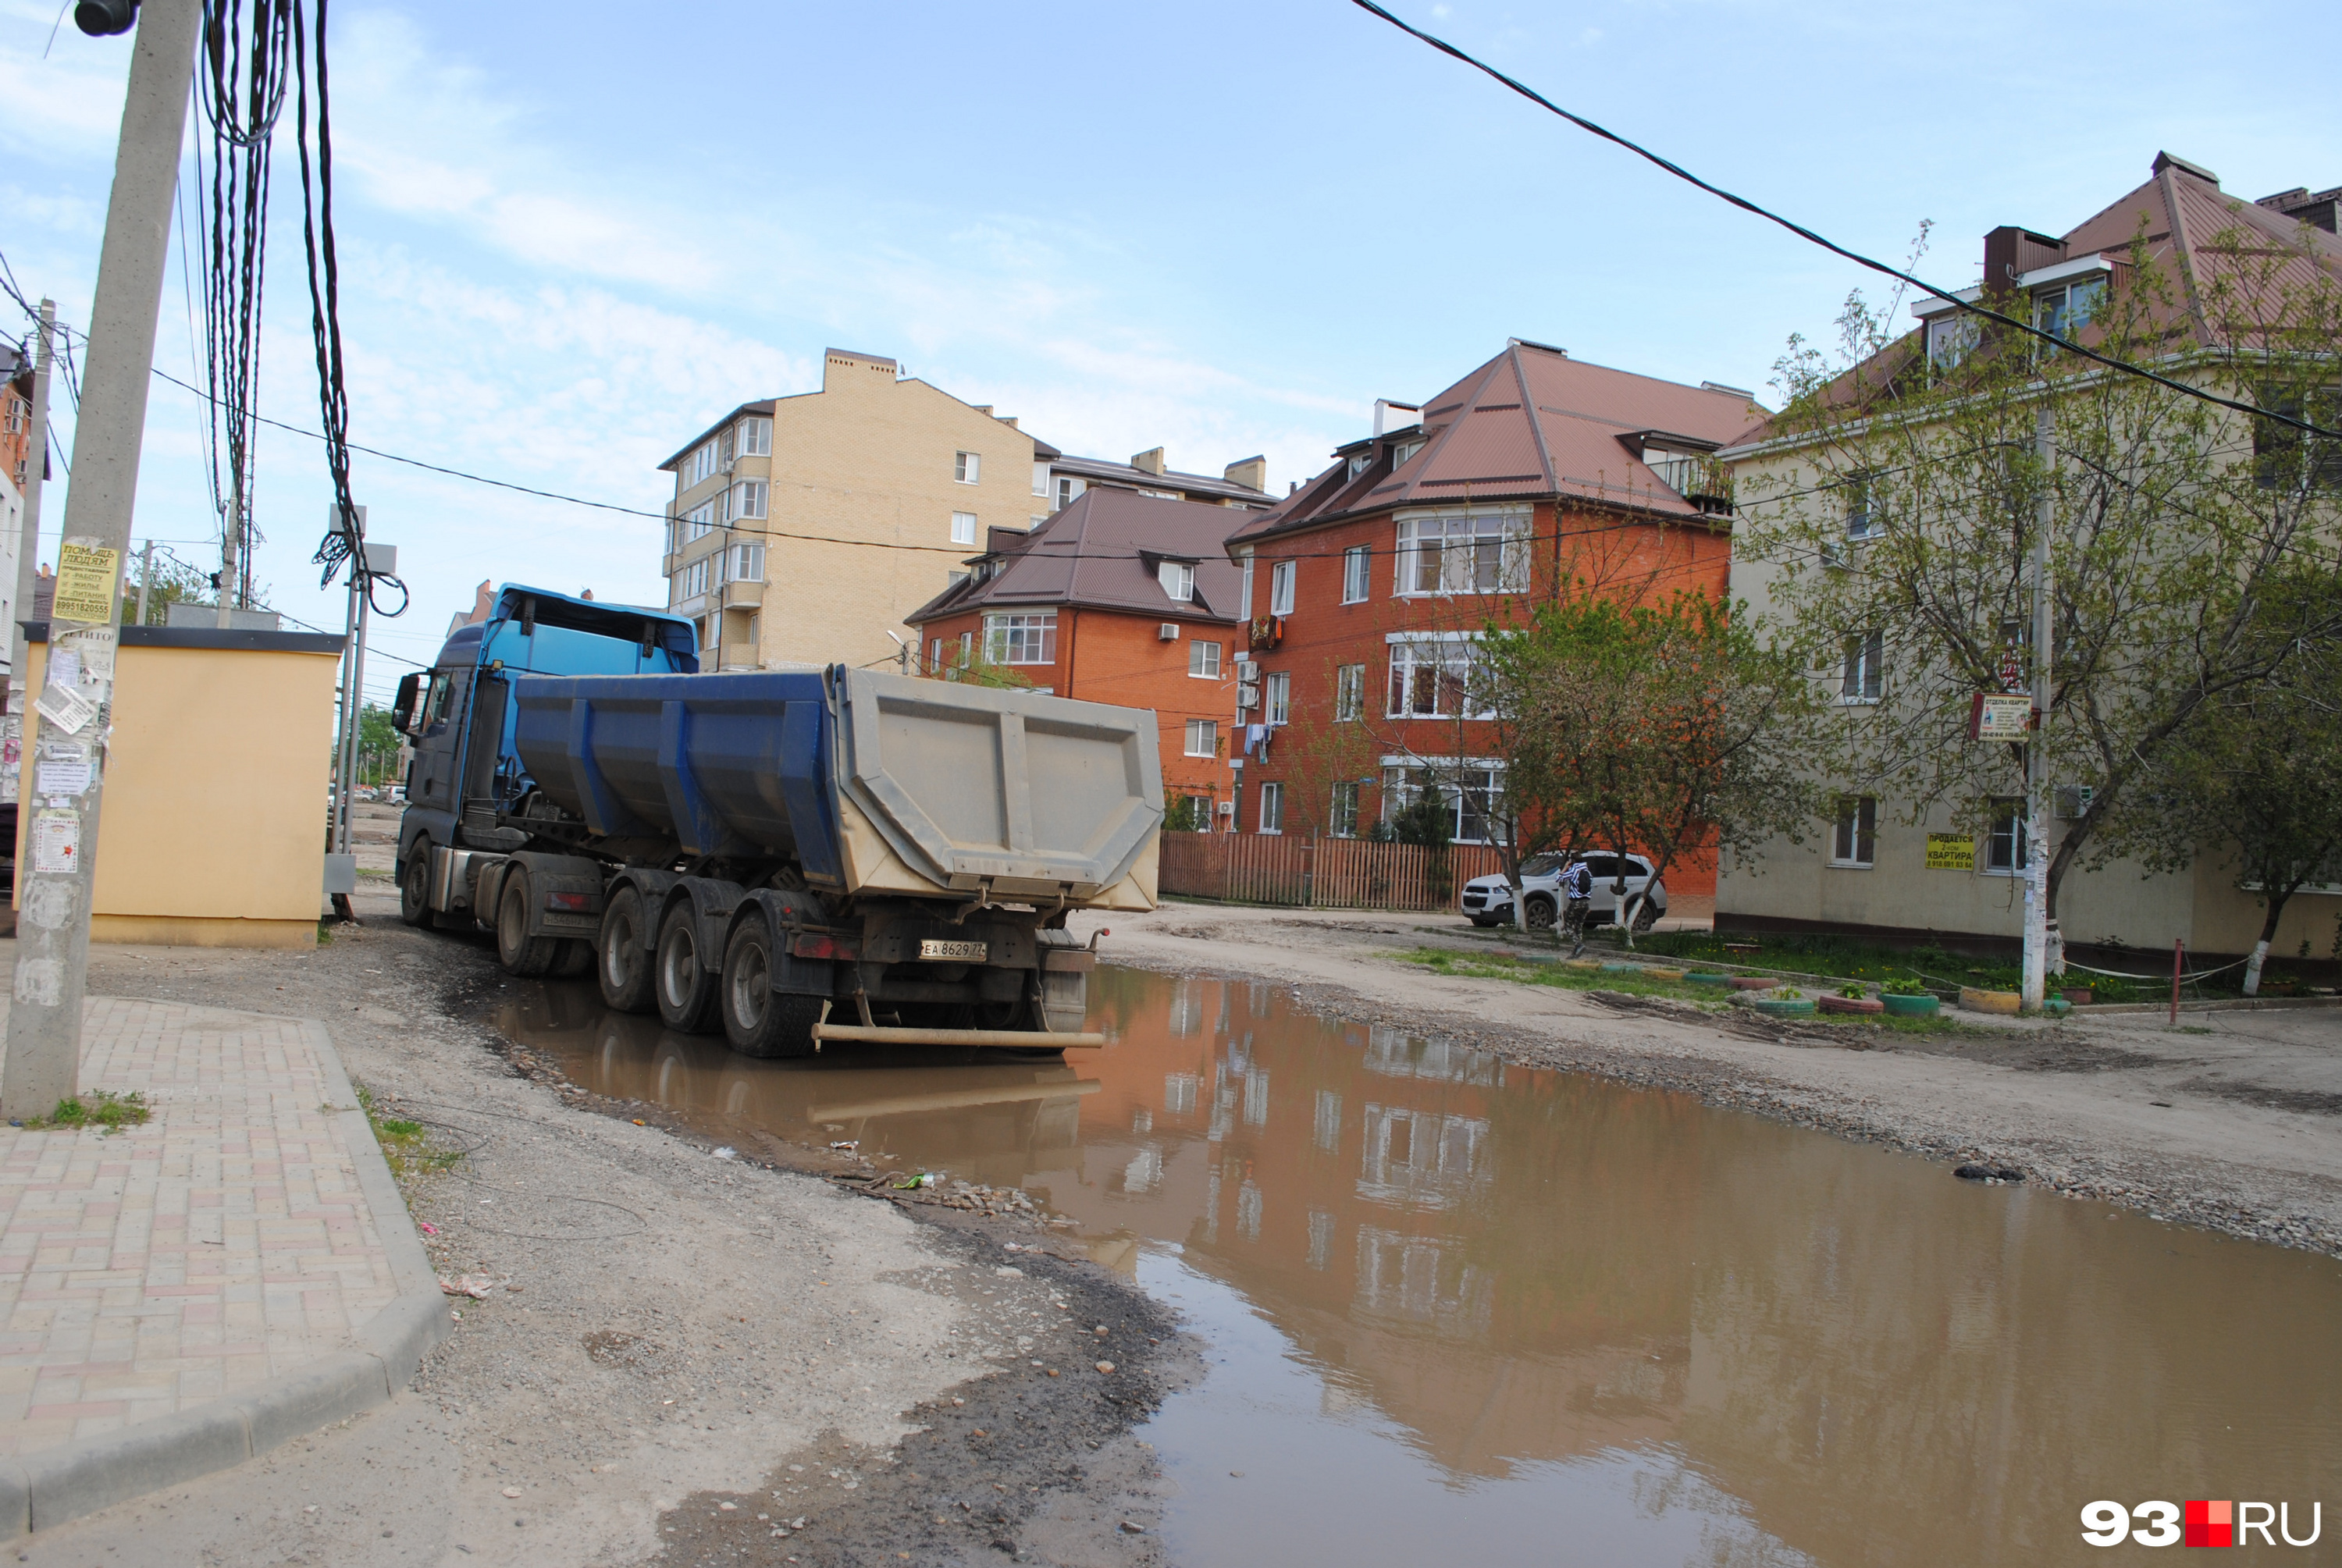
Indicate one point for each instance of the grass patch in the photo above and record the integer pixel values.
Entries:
(405, 1144)
(1941, 971)
(100, 1108)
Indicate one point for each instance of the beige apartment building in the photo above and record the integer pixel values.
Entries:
(804, 529)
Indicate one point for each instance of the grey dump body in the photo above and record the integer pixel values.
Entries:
(802, 856)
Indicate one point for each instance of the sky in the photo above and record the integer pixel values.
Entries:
(573, 236)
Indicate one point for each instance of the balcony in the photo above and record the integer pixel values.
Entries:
(743, 595)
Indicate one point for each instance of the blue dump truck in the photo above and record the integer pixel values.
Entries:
(794, 856)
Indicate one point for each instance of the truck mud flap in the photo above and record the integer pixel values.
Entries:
(1020, 1039)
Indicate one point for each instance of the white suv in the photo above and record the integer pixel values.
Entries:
(1488, 900)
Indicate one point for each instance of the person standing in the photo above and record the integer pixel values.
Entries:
(1578, 898)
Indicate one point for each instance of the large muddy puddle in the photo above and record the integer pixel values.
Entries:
(1461, 1310)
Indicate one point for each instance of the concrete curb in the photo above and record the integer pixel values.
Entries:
(47, 1489)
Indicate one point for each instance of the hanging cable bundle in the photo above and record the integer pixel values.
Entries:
(345, 541)
(241, 78)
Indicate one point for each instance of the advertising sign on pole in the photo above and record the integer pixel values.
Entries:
(1995, 716)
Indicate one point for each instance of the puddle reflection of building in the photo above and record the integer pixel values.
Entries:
(1352, 1194)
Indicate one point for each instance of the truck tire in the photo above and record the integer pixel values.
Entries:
(576, 958)
(688, 994)
(624, 966)
(516, 950)
(414, 888)
(758, 1021)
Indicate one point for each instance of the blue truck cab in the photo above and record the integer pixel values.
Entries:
(461, 714)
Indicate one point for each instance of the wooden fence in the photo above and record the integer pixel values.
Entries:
(1327, 873)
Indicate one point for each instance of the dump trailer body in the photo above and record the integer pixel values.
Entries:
(767, 848)
(869, 783)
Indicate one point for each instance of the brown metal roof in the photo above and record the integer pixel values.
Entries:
(763, 405)
(1094, 553)
(1532, 423)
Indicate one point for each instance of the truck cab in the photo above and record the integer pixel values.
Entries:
(459, 717)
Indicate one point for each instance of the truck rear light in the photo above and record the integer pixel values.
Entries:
(812, 944)
(575, 902)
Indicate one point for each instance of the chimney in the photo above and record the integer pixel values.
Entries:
(2320, 211)
(1383, 405)
(1252, 472)
(843, 367)
(1151, 460)
(2010, 252)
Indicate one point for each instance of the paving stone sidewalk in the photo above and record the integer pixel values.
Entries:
(227, 1242)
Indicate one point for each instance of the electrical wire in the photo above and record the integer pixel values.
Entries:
(1744, 204)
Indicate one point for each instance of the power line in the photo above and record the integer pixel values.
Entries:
(1743, 203)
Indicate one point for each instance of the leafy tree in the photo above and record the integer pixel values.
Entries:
(1319, 752)
(969, 665)
(2258, 774)
(1899, 496)
(174, 582)
(1187, 813)
(1662, 728)
(1427, 820)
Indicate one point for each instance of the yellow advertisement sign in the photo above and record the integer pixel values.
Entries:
(1950, 852)
(85, 584)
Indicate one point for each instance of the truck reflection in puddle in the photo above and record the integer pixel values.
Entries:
(985, 1119)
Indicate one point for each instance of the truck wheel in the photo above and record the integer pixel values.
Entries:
(758, 1021)
(414, 888)
(516, 950)
(1540, 914)
(688, 994)
(625, 966)
(576, 958)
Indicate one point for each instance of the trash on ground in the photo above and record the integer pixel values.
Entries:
(847, 1143)
(476, 1286)
(726, 1152)
(924, 1179)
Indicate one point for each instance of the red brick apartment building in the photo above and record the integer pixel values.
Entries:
(1119, 597)
(1366, 593)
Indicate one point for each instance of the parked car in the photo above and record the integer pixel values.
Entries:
(1488, 900)
(395, 794)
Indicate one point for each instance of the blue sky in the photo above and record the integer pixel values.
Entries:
(573, 236)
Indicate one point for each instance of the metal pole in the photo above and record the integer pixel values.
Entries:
(66, 748)
(28, 547)
(146, 579)
(2036, 750)
(348, 727)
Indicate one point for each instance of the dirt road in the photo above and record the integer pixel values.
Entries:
(681, 1357)
(2232, 1121)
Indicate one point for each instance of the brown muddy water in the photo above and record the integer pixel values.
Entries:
(1461, 1311)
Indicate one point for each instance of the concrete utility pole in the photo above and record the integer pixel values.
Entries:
(65, 750)
(29, 544)
(2040, 931)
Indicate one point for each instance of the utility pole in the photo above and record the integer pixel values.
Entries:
(2040, 931)
(29, 547)
(369, 562)
(65, 743)
(146, 579)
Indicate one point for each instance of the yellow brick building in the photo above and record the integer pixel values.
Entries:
(805, 528)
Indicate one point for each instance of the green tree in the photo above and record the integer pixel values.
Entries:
(2258, 773)
(1664, 728)
(174, 582)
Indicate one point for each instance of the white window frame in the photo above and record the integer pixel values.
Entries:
(1461, 551)
(1203, 661)
(1342, 816)
(748, 498)
(1178, 580)
(1357, 574)
(963, 528)
(699, 521)
(755, 438)
(1041, 479)
(1276, 698)
(2004, 821)
(1862, 677)
(1400, 792)
(1349, 694)
(1069, 490)
(968, 467)
(1854, 837)
(1271, 811)
(746, 563)
(1281, 577)
(1453, 661)
(1203, 738)
(1027, 637)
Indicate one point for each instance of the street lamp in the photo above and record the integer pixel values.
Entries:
(104, 18)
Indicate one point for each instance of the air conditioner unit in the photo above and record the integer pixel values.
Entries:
(1168, 631)
(1248, 696)
(1248, 670)
(2073, 801)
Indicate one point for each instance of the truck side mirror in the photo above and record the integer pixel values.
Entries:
(401, 706)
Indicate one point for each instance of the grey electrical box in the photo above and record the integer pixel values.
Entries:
(205, 618)
(2073, 802)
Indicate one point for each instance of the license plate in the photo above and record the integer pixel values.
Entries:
(954, 952)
